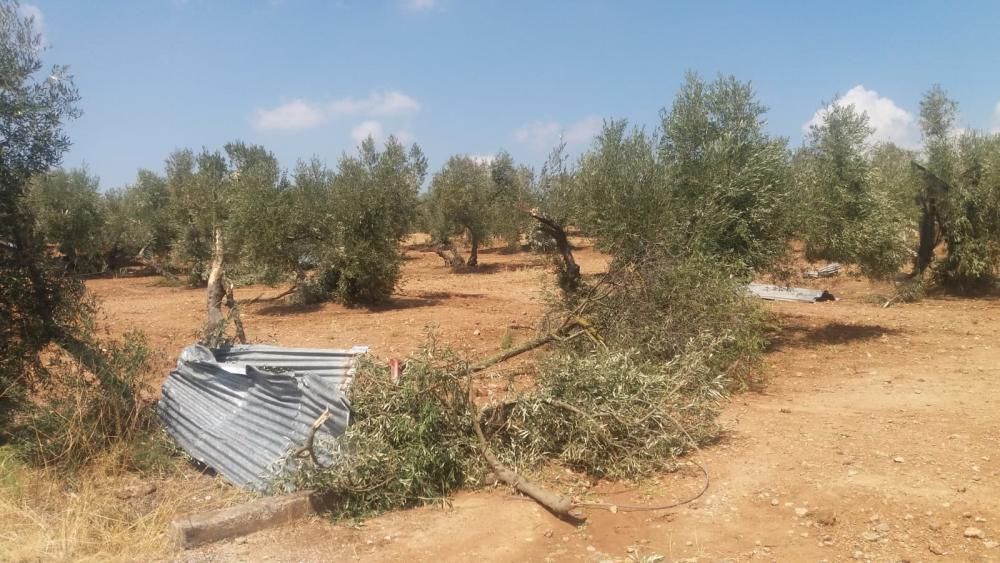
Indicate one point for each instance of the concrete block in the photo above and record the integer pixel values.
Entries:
(198, 529)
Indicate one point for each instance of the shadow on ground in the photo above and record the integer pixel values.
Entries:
(797, 332)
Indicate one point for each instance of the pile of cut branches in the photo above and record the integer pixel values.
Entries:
(635, 364)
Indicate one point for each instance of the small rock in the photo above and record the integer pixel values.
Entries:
(785, 410)
(476, 332)
(591, 548)
(935, 549)
(857, 555)
(883, 527)
(966, 515)
(934, 526)
(870, 536)
(801, 512)
(962, 489)
(898, 459)
(973, 533)
(980, 519)
(825, 517)
(990, 544)
(241, 540)
(774, 502)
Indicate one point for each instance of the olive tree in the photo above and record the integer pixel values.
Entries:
(138, 221)
(958, 198)
(38, 303)
(849, 206)
(710, 182)
(69, 213)
(373, 203)
(479, 200)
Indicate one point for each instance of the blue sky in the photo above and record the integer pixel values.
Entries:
(307, 78)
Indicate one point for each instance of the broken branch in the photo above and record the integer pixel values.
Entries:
(308, 446)
(558, 504)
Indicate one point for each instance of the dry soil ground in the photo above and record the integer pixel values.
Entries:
(876, 438)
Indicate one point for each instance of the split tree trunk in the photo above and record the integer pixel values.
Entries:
(216, 321)
(569, 273)
(446, 250)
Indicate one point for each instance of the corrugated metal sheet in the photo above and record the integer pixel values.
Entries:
(827, 271)
(241, 409)
(779, 293)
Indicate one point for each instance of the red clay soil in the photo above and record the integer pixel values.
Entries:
(876, 437)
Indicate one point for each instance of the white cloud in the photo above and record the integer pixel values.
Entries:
(366, 129)
(379, 104)
(890, 122)
(303, 114)
(420, 5)
(545, 135)
(32, 11)
(296, 114)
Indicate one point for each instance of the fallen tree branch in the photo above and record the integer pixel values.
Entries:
(558, 504)
(261, 297)
(517, 351)
(154, 265)
(307, 447)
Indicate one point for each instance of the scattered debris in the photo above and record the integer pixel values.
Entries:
(241, 409)
(827, 271)
(780, 293)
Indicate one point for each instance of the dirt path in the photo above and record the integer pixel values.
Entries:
(876, 439)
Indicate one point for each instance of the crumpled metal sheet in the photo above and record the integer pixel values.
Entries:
(779, 293)
(241, 409)
(831, 269)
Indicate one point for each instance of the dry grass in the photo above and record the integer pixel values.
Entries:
(108, 515)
